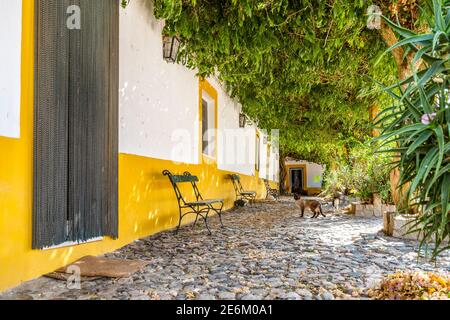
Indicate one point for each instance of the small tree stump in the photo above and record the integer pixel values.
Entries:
(377, 205)
(401, 227)
(388, 223)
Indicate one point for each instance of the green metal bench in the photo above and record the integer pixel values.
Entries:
(201, 207)
(270, 191)
(242, 194)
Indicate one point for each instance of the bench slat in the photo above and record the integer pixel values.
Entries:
(205, 202)
(183, 179)
(248, 193)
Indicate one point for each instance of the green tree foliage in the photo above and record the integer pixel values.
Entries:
(302, 66)
(363, 174)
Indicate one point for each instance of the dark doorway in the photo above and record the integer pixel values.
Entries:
(297, 181)
(75, 123)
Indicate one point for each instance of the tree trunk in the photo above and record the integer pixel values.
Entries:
(283, 175)
(374, 110)
(403, 72)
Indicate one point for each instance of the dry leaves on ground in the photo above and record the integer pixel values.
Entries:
(413, 286)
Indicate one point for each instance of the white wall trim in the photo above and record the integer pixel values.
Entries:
(10, 67)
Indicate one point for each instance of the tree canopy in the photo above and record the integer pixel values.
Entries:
(305, 67)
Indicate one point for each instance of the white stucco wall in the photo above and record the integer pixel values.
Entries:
(315, 175)
(314, 172)
(159, 102)
(10, 58)
(274, 173)
(263, 173)
(269, 161)
(236, 146)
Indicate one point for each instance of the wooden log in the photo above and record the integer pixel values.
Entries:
(388, 222)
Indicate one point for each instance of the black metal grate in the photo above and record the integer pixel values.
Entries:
(51, 115)
(111, 217)
(76, 130)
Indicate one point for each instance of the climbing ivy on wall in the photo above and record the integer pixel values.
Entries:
(305, 67)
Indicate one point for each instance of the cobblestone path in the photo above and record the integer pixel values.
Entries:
(265, 252)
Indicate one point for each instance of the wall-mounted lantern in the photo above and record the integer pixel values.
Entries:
(171, 45)
(242, 120)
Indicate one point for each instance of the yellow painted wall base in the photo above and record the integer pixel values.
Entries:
(147, 203)
(313, 191)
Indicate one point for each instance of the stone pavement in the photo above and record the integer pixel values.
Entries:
(265, 252)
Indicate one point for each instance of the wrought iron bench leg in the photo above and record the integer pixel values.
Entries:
(206, 222)
(179, 223)
(219, 212)
(203, 213)
(220, 216)
(195, 222)
(251, 201)
(196, 216)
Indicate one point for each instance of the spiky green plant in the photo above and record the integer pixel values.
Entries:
(418, 124)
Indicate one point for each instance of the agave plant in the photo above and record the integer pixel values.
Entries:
(418, 125)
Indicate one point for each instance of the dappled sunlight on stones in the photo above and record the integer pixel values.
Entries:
(264, 252)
